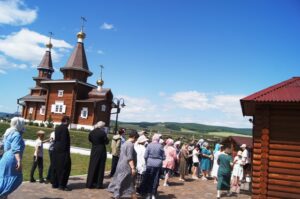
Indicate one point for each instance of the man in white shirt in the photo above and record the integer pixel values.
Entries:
(245, 158)
(38, 157)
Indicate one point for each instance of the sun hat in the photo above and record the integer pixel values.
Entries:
(243, 146)
(142, 139)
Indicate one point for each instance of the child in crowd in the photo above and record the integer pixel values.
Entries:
(237, 172)
(38, 157)
(196, 153)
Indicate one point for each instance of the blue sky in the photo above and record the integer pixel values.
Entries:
(183, 61)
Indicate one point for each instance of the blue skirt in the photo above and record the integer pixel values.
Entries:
(10, 178)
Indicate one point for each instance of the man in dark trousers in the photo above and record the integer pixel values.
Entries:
(61, 156)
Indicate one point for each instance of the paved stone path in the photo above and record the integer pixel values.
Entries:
(190, 189)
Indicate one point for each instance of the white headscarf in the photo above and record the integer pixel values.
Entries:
(16, 124)
(99, 124)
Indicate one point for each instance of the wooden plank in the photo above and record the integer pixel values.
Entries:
(257, 145)
(284, 189)
(284, 159)
(284, 165)
(284, 153)
(284, 177)
(256, 167)
(285, 147)
(256, 151)
(283, 194)
(256, 162)
(284, 183)
(284, 142)
(284, 171)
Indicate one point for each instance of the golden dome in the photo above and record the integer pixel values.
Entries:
(81, 35)
(100, 82)
(49, 45)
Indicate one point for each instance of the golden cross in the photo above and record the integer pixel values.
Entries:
(101, 66)
(83, 19)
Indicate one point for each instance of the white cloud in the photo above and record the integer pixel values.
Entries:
(29, 46)
(5, 64)
(187, 106)
(191, 100)
(100, 52)
(162, 94)
(107, 26)
(15, 12)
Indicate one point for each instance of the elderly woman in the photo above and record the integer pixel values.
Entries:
(140, 150)
(206, 160)
(11, 162)
(183, 162)
(169, 162)
(99, 139)
(122, 183)
(154, 156)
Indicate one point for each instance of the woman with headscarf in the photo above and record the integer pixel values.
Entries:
(183, 161)
(11, 175)
(215, 168)
(122, 183)
(224, 172)
(140, 149)
(205, 161)
(99, 139)
(154, 156)
(169, 162)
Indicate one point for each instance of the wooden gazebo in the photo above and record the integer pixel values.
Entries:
(276, 140)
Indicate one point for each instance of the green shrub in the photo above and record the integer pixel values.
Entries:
(35, 124)
(42, 125)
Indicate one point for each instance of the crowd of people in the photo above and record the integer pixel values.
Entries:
(138, 163)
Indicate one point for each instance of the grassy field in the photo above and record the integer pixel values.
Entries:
(79, 163)
(80, 138)
(226, 134)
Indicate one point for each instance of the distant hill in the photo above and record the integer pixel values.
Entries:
(181, 127)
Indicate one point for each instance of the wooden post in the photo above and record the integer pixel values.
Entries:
(264, 163)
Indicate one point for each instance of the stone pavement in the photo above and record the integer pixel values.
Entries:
(190, 189)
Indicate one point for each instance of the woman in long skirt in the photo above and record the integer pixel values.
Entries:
(183, 162)
(206, 160)
(11, 175)
(214, 172)
(224, 172)
(122, 183)
(99, 139)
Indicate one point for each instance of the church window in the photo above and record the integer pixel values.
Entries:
(84, 112)
(30, 110)
(58, 107)
(42, 110)
(60, 93)
(103, 107)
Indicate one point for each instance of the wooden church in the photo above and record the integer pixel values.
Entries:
(86, 104)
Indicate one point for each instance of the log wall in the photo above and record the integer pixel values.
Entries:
(276, 158)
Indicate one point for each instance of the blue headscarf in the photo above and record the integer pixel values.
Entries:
(217, 148)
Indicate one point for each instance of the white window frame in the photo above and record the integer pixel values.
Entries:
(103, 107)
(30, 110)
(60, 93)
(42, 110)
(58, 107)
(84, 112)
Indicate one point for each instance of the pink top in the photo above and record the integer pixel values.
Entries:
(171, 157)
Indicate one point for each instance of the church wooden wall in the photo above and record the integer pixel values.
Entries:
(103, 115)
(67, 98)
(84, 121)
(276, 154)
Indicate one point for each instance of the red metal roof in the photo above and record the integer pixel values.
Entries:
(287, 92)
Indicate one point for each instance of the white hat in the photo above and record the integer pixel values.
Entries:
(239, 153)
(99, 124)
(243, 146)
(142, 139)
